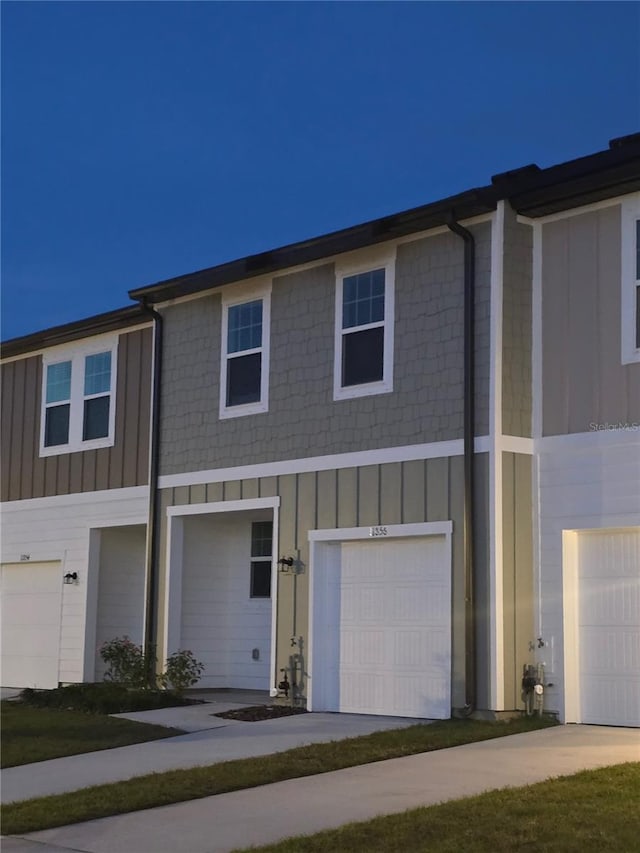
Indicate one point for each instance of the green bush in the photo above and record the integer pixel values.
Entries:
(105, 698)
(181, 672)
(126, 662)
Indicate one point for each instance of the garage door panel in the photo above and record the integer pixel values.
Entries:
(390, 602)
(612, 700)
(609, 627)
(30, 633)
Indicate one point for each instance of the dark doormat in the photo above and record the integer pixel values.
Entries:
(260, 712)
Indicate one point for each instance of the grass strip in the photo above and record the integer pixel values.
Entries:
(159, 789)
(595, 811)
(37, 734)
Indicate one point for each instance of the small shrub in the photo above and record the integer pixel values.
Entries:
(126, 662)
(181, 672)
(104, 698)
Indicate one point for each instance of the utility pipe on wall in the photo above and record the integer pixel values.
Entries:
(152, 568)
(469, 438)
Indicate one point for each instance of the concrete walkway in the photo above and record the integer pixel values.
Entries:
(223, 740)
(302, 806)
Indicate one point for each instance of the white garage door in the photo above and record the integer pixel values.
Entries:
(31, 598)
(389, 609)
(609, 626)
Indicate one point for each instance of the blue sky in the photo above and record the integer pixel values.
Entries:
(145, 140)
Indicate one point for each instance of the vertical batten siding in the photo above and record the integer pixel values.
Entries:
(517, 327)
(28, 475)
(517, 572)
(390, 493)
(584, 383)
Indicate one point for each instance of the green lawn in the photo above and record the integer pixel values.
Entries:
(159, 789)
(36, 734)
(597, 811)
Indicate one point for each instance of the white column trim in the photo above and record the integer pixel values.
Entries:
(496, 586)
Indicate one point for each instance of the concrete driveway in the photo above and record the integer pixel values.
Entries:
(300, 806)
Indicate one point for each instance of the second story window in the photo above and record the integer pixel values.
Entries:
(78, 410)
(364, 332)
(245, 355)
(630, 296)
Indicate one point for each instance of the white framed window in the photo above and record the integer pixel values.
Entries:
(630, 266)
(363, 362)
(261, 558)
(244, 380)
(78, 397)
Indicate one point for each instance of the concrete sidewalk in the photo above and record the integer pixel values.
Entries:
(223, 740)
(302, 806)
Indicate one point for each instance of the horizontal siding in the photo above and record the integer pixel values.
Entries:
(27, 475)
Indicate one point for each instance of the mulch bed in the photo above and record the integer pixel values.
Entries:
(260, 712)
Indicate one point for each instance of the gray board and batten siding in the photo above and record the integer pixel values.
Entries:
(584, 383)
(426, 404)
(391, 493)
(25, 474)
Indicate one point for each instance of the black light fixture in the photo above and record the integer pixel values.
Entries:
(285, 563)
(70, 577)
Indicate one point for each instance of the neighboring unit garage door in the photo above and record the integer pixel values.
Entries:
(389, 608)
(31, 598)
(609, 627)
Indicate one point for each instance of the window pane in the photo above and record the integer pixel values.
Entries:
(260, 579)
(56, 425)
(96, 418)
(58, 383)
(362, 357)
(363, 299)
(243, 379)
(244, 326)
(261, 538)
(97, 373)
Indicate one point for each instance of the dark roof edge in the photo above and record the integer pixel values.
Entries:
(110, 321)
(531, 190)
(461, 206)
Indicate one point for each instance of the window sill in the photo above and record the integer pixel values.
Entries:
(59, 449)
(241, 411)
(368, 390)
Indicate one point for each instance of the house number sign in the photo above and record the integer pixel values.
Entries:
(378, 531)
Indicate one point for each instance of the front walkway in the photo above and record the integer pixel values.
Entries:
(211, 740)
(302, 806)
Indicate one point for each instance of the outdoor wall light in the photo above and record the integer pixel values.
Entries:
(70, 577)
(285, 563)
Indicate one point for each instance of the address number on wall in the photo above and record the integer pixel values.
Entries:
(378, 531)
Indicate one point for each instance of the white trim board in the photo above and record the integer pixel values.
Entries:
(224, 506)
(496, 596)
(102, 496)
(433, 450)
